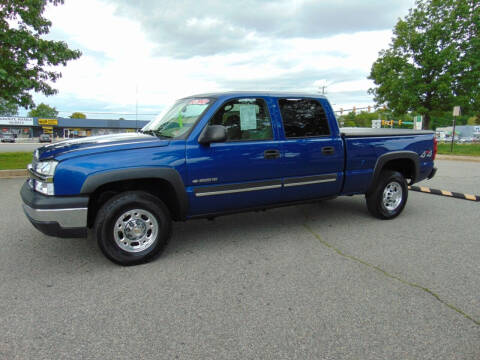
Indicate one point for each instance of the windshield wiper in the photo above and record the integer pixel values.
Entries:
(149, 132)
(157, 133)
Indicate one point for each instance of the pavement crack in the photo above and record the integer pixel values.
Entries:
(391, 276)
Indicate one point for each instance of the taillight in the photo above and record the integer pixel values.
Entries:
(435, 148)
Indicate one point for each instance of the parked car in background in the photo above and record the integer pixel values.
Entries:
(10, 138)
(45, 138)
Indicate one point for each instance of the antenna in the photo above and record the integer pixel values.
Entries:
(136, 107)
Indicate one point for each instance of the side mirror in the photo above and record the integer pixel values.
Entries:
(213, 133)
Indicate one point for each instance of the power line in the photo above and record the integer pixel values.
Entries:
(154, 114)
(108, 113)
(374, 107)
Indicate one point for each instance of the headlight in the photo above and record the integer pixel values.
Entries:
(44, 187)
(41, 176)
(46, 168)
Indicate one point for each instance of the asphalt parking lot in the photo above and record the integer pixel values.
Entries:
(318, 281)
(20, 146)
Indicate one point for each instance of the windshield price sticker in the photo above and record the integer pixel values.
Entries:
(199, 102)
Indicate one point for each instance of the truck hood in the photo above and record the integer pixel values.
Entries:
(96, 144)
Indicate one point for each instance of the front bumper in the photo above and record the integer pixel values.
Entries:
(58, 216)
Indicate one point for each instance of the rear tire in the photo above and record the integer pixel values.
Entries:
(133, 228)
(389, 196)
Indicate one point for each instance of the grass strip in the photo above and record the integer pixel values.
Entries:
(459, 149)
(15, 160)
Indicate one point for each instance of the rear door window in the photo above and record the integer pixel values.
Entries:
(303, 118)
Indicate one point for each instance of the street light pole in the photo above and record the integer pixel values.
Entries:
(453, 135)
(456, 112)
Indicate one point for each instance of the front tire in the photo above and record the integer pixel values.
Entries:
(389, 197)
(133, 228)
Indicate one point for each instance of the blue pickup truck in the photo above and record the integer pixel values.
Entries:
(215, 154)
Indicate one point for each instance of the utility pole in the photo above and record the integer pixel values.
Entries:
(322, 89)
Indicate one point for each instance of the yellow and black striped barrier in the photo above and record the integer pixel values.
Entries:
(445, 193)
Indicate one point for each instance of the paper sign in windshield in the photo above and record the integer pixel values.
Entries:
(248, 117)
(199, 101)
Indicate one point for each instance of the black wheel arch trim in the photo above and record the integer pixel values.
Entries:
(170, 175)
(395, 155)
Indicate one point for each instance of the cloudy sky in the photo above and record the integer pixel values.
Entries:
(172, 48)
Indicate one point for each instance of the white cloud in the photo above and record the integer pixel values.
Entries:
(119, 55)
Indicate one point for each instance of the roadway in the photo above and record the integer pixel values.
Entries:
(318, 281)
(20, 146)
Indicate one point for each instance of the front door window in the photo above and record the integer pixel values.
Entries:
(245, 119)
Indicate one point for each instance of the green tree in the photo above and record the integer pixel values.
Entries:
(433, 61)
(26, 59)
(474, 120)
(364, 119)
(467, 81)
(8, 109)
(350, 123)
(78, 115)
(445, 118)
(43, 111)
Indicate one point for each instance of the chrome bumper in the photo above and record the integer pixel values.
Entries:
(66, 218)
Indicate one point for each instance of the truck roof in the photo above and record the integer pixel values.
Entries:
(260, 93)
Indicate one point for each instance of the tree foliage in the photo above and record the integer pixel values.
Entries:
(26, 59)
(43, 111)
(433, 62)
(78, 115)
(8, 109)
(474, 120)
(364, 118)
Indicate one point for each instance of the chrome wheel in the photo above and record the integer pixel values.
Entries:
(392, 196)
(135, 230)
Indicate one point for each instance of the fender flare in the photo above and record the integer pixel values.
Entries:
(170, 175)
(395, 155)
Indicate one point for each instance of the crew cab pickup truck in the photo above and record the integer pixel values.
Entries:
(215, 154)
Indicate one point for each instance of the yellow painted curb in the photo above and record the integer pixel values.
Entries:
(445, 193)
(458, 158)
(16, 173)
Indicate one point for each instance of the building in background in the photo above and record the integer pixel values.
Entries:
(18, 126)
(24, 127)
(465, 132)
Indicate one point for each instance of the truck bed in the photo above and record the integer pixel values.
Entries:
(363, 148)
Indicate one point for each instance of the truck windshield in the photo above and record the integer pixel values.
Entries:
(178, 119)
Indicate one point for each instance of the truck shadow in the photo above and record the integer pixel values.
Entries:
(253, 227)
(43, 254)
